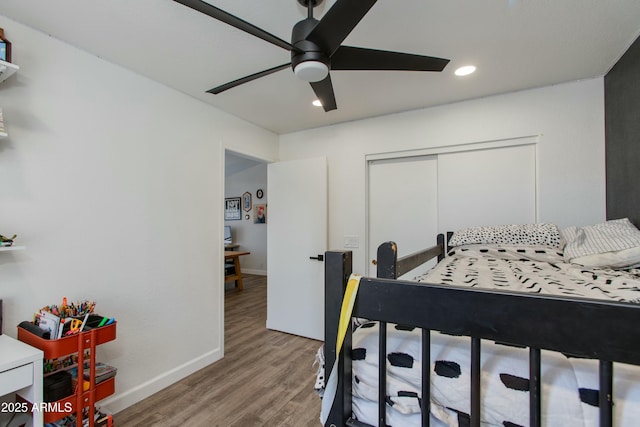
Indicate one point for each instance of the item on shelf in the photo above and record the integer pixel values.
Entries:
(71, 360)
(66, 309)
(68, 326)
(50, 327)
(66, 319)
(103, 372)
(101, 419)
(48, 322)
(57, 386)
(7, 241)
(35, 329)
(56, 326)
(5, 47)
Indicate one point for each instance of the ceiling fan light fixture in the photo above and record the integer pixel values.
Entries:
(316, 47)
(311, 71)
(465, 71)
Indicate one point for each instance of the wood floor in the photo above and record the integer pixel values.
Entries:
(265, 379)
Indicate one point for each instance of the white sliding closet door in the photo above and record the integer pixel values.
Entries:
(412, 199)
(487, 187)
(403, 197)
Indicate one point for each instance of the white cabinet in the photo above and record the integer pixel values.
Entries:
(21, 372)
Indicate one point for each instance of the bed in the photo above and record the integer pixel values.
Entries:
(518, 326)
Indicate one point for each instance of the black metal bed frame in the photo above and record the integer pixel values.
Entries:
(606, 331)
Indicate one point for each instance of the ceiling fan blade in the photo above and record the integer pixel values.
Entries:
(236, 22)
(338, 22)
(358, 58)
(324, 92)
(222, 88)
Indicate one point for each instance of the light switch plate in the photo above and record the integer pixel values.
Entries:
(351, 242)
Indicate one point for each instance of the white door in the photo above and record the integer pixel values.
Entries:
(296, 232)
(403, 205)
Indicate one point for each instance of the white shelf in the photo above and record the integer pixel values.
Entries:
(11, 248)
(7, 69)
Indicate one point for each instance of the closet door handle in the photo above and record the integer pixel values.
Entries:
(319, 257)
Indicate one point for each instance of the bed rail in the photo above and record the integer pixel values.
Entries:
(595, 329)
(337, 269)
(389, 266)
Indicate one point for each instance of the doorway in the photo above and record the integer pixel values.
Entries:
(246, 179)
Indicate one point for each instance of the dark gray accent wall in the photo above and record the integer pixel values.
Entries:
(622, 132)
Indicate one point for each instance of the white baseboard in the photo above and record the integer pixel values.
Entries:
(256, 272)
(120, 401)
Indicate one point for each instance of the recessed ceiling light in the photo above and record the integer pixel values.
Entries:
(465, 71)
(317, 103)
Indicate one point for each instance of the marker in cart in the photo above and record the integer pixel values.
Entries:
(106, 321)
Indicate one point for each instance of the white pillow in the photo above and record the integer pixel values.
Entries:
(514, 234)
(624, 258)
(611, 244)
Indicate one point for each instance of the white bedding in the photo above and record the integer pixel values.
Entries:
(536, 269)
(570, 385)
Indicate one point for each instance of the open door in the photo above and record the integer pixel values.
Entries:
(296, 242)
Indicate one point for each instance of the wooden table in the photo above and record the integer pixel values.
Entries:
(237, 273)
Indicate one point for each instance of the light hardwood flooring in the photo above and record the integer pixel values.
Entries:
(266, 378)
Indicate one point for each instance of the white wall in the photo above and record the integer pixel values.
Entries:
(251, 237)
(571, 168)
(114, 184)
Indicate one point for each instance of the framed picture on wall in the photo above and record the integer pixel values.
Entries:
(246, 202)
(260, 214)
(232, 208)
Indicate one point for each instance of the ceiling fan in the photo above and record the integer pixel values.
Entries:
(316, 47)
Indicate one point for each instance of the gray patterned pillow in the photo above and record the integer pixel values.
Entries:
(514, 234)
(611, 244)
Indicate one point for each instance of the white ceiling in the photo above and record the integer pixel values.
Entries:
(516, 44)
